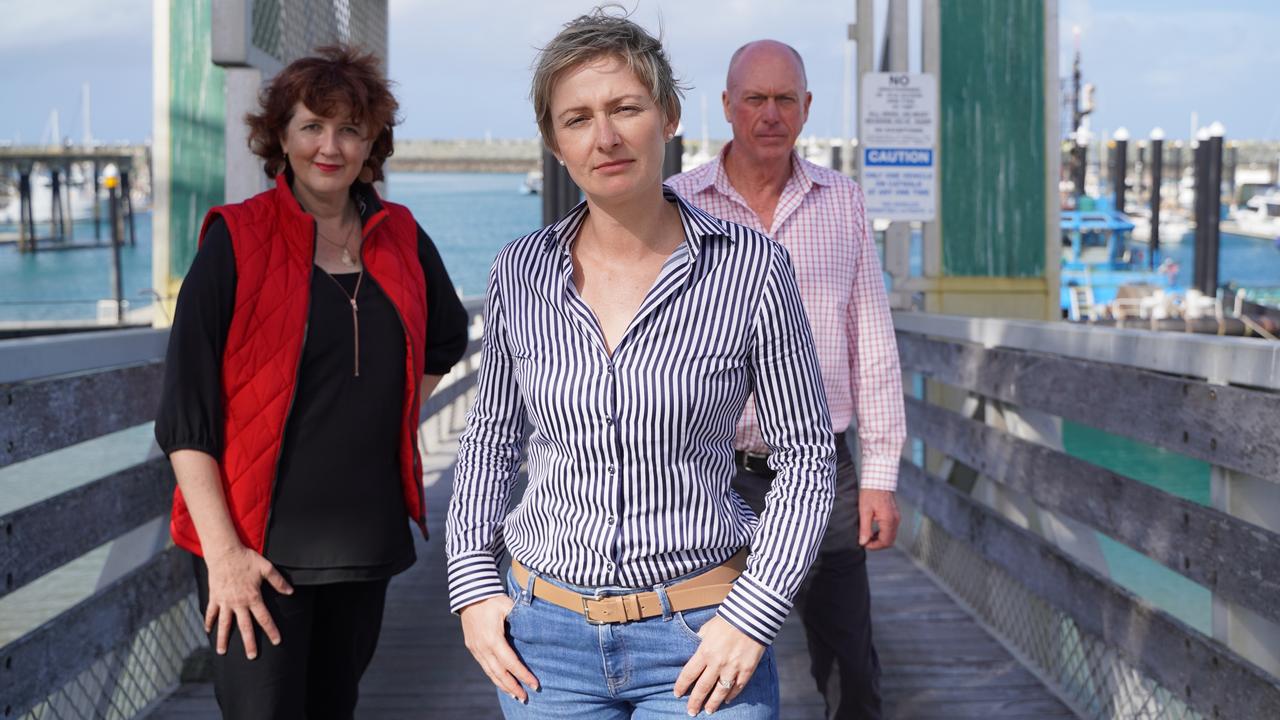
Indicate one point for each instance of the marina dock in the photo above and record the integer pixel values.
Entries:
(994, 603)
(1090, 513)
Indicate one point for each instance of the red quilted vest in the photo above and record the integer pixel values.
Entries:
(274, 244)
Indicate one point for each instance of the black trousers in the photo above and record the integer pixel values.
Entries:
(327, 637)
(834, 601)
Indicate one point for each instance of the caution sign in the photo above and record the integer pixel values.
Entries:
(899, 119)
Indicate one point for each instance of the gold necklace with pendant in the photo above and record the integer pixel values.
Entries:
(347, 260)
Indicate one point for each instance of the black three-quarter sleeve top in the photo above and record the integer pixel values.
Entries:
(337, 513)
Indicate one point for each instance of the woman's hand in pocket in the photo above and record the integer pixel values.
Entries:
(726, 656)
(485, 634)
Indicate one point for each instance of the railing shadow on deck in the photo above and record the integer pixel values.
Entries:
(1002, 516)
(121, 649)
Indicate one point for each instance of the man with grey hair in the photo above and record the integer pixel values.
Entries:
(759, 181)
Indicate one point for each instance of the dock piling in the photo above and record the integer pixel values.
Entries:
(97, 204)
(1213, 209)
(1157, 170)
(1119, 166)
(559, 193)
(1199, 154)
(126, 198)
(1208, 208)
(673, 157)
(69, 221)
(55, 204)
(117, 239)
(26, 225)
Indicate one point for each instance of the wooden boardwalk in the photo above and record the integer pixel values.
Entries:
(937, 662)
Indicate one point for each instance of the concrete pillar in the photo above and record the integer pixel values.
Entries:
(244, 176)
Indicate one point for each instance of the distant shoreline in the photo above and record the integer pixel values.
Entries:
(460, 165)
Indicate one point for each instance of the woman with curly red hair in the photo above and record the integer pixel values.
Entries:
(314, 320)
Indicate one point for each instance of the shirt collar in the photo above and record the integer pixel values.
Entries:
(801, 173)
(698, 225)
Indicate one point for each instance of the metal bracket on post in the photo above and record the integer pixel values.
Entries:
(231, 39)
(231, 44)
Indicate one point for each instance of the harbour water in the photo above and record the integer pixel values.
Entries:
(67, 284)
(470, 217)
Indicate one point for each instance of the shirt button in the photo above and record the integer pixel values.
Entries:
(610, 469)
(609, 369)
(608, 421)
(609, 520)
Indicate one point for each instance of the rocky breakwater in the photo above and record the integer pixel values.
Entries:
(466, 156)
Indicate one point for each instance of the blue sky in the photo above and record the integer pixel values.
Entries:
(462, 67)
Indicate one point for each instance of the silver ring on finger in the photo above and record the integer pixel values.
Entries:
(725, 684)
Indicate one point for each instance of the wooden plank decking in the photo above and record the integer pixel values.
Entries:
(937, 662)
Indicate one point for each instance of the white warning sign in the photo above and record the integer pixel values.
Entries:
(899, 119)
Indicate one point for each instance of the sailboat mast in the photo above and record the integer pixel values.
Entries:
(86, 116)
(705, 148)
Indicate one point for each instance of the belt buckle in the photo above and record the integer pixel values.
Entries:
(758, 464)
(586, 611)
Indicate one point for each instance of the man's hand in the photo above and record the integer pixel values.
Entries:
(726, 653)
(877, 519)
(485, 635)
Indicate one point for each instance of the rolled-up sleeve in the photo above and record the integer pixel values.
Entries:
(488, 460)
(446, 318)
(796, 424)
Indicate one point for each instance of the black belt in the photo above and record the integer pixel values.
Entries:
(759, 464)
(754, 464)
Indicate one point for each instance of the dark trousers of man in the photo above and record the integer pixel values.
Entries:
(835, 600)
(327, 637)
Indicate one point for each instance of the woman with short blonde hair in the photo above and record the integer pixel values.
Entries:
(629, 335)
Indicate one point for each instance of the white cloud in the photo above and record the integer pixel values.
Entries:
(30, 26)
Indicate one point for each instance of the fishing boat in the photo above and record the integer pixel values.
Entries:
(1098, 260)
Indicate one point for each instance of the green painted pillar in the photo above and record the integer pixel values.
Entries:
(197, 122)
(993, 138)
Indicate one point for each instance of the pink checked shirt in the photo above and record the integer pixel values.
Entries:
(822, 222)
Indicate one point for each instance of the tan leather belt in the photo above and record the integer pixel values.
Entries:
(709, 588)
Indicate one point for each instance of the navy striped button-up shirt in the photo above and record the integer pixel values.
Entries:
(630, 458)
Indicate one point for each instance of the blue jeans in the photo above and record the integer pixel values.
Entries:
(625, 670)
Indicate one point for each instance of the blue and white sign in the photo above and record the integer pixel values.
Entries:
(899, 157)
(899, 113)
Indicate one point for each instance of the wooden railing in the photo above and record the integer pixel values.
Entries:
(1185, 394)
(120, 649)
(1214, 399)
